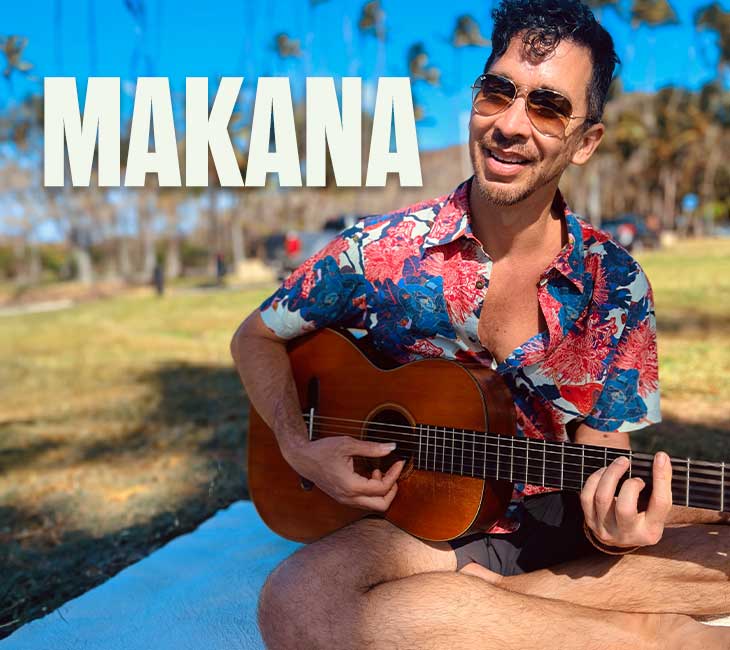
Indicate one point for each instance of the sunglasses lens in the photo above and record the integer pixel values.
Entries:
(549, 111)
(493, 95)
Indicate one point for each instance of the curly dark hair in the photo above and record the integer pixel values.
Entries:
(543, 24)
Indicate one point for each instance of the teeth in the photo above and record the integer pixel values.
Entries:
(514, 161)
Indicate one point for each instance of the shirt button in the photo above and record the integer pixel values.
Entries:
(543, 281)
(480, 284)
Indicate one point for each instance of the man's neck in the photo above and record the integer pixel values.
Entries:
(525, 230)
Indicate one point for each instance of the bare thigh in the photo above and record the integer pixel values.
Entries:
(369, 552)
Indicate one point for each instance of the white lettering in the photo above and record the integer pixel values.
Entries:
(394, 103)
(152, 102)
(62, 117)
(273, 100)
(202, 131)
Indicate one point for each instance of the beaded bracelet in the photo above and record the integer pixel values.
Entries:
(608, 550)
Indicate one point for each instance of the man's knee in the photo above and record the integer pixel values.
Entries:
(280, 600)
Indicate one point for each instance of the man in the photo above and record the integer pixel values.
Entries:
(502, 272)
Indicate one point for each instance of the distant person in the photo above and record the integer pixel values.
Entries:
(220, 268)
(158, 278)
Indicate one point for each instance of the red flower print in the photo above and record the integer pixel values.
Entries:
(426, 349)
(457, 266)
(581, 355)
(582, 396)
(638, 351)
(335, 248)
(385, 257)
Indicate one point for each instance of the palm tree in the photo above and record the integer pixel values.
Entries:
(372, 24)
(12, 48)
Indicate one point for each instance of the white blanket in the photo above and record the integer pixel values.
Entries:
(198, 592)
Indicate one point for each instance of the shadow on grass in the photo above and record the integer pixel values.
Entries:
(202, 410)
(684, 439)
(692, 323)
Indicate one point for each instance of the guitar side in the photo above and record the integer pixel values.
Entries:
(429, 504)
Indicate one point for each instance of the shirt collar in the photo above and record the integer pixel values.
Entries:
(452, 221)
(569, 261)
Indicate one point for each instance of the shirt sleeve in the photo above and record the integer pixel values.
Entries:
(630, 396)
(327, 290)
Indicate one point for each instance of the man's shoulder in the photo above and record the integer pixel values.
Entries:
(613, 268)
(424, 210)
(601, 245)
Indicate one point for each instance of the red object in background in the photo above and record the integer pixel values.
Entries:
(292, 245)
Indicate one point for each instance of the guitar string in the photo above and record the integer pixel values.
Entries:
(699, 499)
(642, 469)
(637, 458)
(408, 430)
(432, 460)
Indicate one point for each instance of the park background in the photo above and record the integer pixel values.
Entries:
(122, 420)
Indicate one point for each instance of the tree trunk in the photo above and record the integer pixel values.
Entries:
(237, 240)
(84, 268)
(146, 236)
(173, 266)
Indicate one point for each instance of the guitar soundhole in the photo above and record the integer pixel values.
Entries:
(388, 425)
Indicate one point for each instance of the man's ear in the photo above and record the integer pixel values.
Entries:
(589, 141)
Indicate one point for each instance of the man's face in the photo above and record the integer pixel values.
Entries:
(510, 134)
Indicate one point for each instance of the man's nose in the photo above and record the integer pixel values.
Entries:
(513, 121)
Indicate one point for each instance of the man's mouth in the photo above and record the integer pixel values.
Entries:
(506, 158)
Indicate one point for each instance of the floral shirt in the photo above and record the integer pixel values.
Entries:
(416, 280)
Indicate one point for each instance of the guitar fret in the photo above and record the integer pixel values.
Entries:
(631, 462)
(562, 463)
(484, 465)
(498, 439)
(722, 488)
(527, 458)
(427, 436)
(463, 433)
(420, 436)
(605, 456)
(544, 459)
(582, 464)
(453, 443)
(687, 491)
(512, 459)
(443, 451)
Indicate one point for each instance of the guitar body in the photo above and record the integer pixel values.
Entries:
(339, 381)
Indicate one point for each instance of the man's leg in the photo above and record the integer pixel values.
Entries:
(688, 571)
(372, 585)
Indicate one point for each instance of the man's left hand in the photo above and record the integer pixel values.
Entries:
(615, 520)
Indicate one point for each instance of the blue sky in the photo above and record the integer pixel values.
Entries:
(234, 37)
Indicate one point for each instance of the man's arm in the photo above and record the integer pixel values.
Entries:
(263, 365)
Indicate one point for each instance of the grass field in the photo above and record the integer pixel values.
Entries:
(122, 421)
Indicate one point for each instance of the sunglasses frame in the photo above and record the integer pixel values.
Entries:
(520, 91)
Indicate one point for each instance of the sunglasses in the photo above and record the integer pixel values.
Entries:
(548, 111)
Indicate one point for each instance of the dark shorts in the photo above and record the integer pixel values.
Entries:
(551, 532)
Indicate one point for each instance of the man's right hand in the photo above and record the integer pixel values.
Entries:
(328, 463)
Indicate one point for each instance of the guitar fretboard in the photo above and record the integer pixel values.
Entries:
(563, 465)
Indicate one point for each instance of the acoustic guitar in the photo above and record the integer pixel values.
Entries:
(454, 424)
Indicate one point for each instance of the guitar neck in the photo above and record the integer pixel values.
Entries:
(563, 465)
